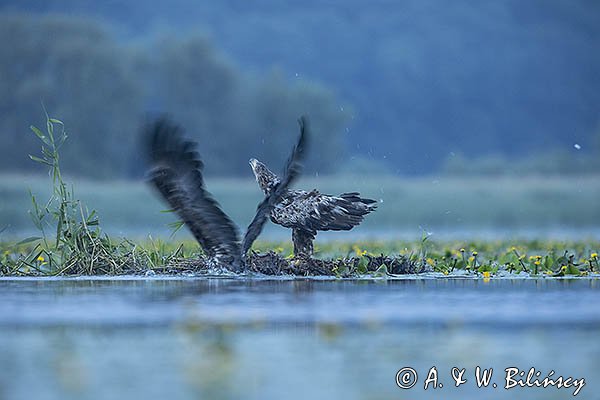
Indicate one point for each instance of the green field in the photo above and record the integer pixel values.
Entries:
(406, 205)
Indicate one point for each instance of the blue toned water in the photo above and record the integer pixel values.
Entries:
(190, 338)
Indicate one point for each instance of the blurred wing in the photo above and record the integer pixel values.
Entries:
(177, 174)
(257, 224)
(293, 168)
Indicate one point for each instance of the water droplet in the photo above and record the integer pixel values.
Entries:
(577, 146)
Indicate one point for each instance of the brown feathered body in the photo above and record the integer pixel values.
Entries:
(306, 213)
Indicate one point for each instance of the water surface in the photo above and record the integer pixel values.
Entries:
(184, 338)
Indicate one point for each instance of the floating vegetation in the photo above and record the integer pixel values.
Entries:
(103, 256)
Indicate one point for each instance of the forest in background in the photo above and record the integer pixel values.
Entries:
(407, 87)
(103, 91)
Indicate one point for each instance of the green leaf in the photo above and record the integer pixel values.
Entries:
(93, 222)
(381, 271)
(59, 234)
(29, 240)
(48, 153)
(484, 268)
(562, 260)
(60, 141)
(40, 160)
(572, 270)
(40, 135)
(176, 226)
(362, 265)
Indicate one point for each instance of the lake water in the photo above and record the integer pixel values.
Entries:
(232, 338)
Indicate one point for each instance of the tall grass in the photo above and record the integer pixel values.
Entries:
(70, 240)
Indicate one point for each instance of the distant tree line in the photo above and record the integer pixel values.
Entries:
(427, 79)
(103, 89)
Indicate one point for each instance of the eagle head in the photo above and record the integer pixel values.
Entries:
(266, 179)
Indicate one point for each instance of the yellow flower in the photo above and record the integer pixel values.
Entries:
(462, 250)
(563, 268)
(594, 256)
(486, 274)
(471, 259)
(538, 257)
(474, 254)
(41, 258)
(358, 251)
(548, 272)
(537, 262)
(429, 261)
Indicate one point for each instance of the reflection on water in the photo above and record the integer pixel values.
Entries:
(259, 339)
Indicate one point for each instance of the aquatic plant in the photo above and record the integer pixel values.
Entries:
(70, 240)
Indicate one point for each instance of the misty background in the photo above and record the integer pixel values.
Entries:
(418, 94)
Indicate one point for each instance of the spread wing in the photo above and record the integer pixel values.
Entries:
(293, 168)
(176, 171)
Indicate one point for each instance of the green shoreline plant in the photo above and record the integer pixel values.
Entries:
(75, 227)
(78, 247)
